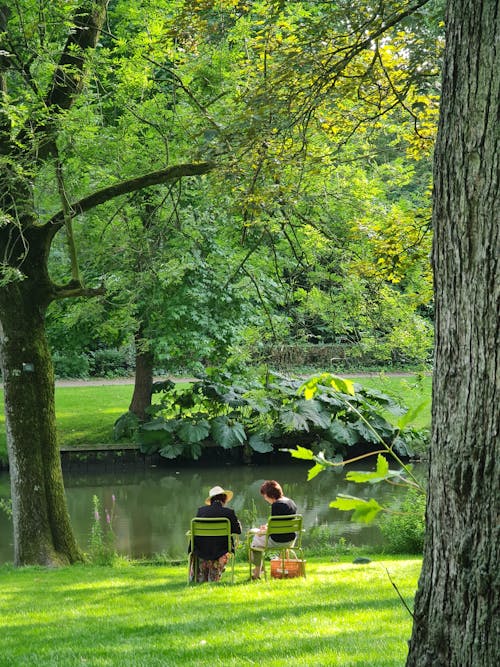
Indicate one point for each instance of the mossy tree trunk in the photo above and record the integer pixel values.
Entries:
(42, 530)
(457, 608)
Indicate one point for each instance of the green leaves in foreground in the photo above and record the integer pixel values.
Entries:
(312, 386)
(365, 511)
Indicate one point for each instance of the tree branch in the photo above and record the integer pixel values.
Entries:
(131, 185)
(67, 80)
(76, 289)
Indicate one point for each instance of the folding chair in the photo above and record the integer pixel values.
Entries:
(277, 525)
(213, 527)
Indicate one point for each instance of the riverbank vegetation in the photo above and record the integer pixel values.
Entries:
(342, 614)
(266, 411)
(86, 414)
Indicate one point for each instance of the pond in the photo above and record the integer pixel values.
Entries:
(154, 505)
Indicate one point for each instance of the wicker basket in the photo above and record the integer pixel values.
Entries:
(287, 568)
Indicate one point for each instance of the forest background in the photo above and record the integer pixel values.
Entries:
(306, 246)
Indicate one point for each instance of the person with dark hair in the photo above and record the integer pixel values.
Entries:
(211, 552)
(272, 493)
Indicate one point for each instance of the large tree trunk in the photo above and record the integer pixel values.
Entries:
(42, 531)
(143, 385)
(457, 605)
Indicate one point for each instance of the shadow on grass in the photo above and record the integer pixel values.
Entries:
(149, 616)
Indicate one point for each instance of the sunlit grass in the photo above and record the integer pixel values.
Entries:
(341, 615)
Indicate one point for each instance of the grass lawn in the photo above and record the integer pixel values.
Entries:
(411, 390)
(142, 615)
(86, 414)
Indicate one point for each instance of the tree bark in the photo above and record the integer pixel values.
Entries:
(42, 530)
(456, 620)
(143, 384)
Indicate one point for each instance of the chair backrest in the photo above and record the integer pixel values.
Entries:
(213, 527)
(291, 523)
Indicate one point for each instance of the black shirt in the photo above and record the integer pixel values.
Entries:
(210, 548)
(283, 507)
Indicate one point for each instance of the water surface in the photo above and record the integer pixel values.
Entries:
(154, 505)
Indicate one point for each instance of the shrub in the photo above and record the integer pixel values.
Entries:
(71, 365)
(404, 531)
(110, 363)
(264, 413)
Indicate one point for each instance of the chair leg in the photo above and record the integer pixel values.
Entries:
(193, 567)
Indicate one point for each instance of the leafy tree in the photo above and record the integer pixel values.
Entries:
(312, 222)
(44, 50)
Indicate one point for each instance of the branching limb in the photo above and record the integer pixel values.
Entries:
(75, 289)
(68, 222)
(131, 185)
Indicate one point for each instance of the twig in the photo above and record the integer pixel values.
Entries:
(399, 594)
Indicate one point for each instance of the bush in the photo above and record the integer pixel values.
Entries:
(71, 365)
(404, 531)
(110, 363)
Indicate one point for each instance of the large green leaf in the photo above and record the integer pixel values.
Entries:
(364, 511)
(300, 453)
(313, 412)
(293, 421)
(193, 431)
(314, 471)
(227, 433)
(125, 426)
(365, 431)
(158, 424)
(314, 385)
(381, 473)
(171, 451)
(401, 447)
(154, 436)
(195, 450)
(341, 433)
(259, 444)
(376, 396)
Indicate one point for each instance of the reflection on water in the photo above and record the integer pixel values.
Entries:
(154, 506)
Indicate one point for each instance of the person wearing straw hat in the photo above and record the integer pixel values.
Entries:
(212, 552)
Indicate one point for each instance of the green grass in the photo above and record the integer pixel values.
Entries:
(85, 415)
(411, 390)
(137, 615)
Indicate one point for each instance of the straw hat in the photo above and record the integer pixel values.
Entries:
(217, 491)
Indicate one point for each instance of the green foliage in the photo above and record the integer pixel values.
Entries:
(102, 543)
(404, 529)
(71, 365)
(6, 506)
(363, 511)
(110, 363)
(409, 529)
(261, 413)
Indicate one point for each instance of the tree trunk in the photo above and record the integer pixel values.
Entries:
(456, 620)
(143, 385)
(42, 531)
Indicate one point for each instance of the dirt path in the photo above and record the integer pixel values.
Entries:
(98, 382)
